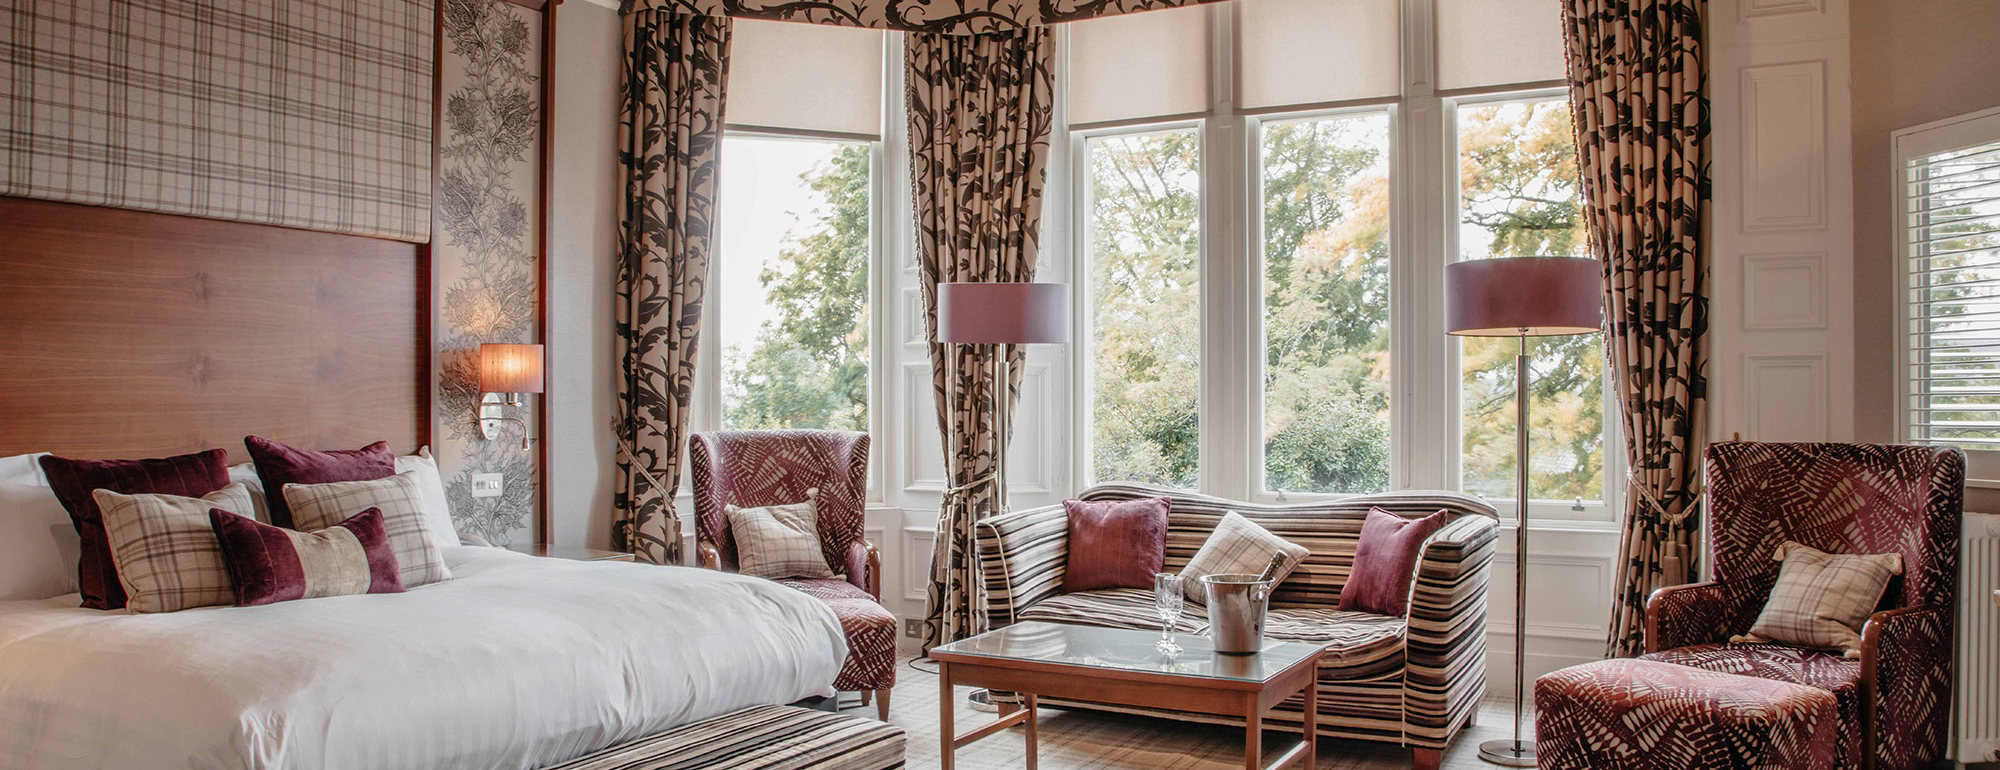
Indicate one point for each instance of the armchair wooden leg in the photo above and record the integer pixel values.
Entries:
(882, 704)
(1425, 759)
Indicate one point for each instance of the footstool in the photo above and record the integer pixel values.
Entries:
(1639, 714)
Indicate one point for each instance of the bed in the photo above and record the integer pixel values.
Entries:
(517, 662)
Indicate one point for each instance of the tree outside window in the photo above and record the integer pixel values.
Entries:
(793, 280)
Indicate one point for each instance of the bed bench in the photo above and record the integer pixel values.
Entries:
(762, 737)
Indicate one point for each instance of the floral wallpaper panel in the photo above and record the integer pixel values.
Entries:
(487, 264)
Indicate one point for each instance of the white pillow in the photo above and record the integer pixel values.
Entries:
(38, 544)
(23, 469)
(246, 474)
(430, 485)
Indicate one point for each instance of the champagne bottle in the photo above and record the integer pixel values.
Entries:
(1271, 570)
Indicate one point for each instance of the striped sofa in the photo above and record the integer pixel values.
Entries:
(1413, 683)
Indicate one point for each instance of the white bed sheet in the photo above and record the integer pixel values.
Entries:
(519, 662)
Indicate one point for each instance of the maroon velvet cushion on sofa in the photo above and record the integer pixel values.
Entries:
(278, 465)
(73, 480)
(1385, 562)
(1115, 543)
(272, 564)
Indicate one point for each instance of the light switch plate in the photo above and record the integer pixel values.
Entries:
(487, 485)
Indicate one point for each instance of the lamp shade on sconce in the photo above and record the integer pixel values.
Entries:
(1003, 313)
(1524, 296)
(507, 368)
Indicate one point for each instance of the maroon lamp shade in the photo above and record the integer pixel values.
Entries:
(1003, 313)
(1524, 296)
(510, 368)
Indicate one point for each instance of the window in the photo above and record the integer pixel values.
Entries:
(1519, 195)
(1326, 378)
(1143, 238)
(793, 284)
(1949, 217)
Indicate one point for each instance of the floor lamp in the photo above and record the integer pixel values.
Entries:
(1522, 297)
(998, 314)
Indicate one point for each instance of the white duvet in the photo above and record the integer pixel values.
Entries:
(518, 662)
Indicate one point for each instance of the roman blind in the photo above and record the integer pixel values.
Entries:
(1951, 238)
(1498, 42)
(1139, 66)
(1301, 52)
(812, 78)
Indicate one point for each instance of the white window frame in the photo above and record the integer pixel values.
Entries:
(1905, 145)
(1425, 444)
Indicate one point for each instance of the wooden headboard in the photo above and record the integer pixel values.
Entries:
(132, 334)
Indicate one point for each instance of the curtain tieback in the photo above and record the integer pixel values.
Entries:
(625, 448)
(1646, 494)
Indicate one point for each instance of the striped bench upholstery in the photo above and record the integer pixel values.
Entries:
(1411, 682)
(760, 737)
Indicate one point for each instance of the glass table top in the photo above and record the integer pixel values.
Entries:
(1128, 650)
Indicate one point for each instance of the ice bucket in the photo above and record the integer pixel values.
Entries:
(1236, 605)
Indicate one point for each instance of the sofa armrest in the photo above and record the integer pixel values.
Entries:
(1906, 681)
(1021, 559)
(1689, 614)
(863, 567)
(706, 556)
(1446, 645)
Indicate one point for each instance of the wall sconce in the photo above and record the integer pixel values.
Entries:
(505, 372)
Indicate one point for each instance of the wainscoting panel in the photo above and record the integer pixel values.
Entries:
(1784, 291)
(1784, 147)
(1784, 396)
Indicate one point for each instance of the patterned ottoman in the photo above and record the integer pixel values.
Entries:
(1638, 714)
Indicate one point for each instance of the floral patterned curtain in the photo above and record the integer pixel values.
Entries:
(980, 119)
(1636, 88)
(669, 143)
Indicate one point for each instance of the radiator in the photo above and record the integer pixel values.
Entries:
(1977, 724)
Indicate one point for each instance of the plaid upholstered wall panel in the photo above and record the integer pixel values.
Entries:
(305, 113)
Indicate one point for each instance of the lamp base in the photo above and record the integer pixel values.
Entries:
(1507, 753)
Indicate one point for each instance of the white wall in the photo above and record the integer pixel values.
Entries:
(583, 244)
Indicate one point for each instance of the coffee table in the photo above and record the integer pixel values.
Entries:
(1121, 667)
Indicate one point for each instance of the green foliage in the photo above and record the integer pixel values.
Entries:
(1145, 267)
(809, 367)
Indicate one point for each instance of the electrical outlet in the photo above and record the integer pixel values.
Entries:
(913, 628)
(487, 485)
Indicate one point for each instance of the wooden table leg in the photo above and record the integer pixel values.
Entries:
(949, 734)
(1253, 737)
(1034, 714)
(1312, 721)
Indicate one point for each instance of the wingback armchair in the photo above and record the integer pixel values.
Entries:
(1894, 702)
(754, 468)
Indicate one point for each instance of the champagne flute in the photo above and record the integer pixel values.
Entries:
(1168, 601)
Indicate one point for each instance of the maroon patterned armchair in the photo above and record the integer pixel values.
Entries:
(1894, 703)
(752, 468)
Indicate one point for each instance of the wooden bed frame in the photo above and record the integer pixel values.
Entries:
(134, 334)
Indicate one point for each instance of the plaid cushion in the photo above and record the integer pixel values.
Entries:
(779, 541)
(1238, 546)
(318, 506)
(164, 549)
(1822, 599)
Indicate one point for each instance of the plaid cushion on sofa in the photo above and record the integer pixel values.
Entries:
(400, 498)
(779, 541)
(167, 556)
(1238, 546)
(1821, 599)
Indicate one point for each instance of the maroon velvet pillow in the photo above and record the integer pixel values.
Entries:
(270, 564)
(1115, 543)
(73, 480)
(1385, 562)
(278, 465)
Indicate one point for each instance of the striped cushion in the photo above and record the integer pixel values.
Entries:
(763, 737)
